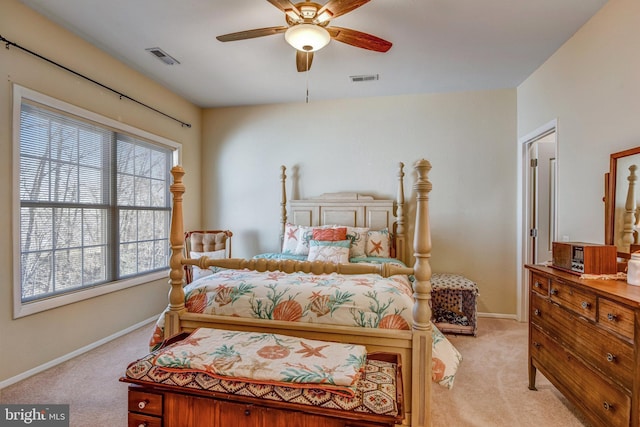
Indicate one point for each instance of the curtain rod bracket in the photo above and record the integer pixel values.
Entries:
(121, 95)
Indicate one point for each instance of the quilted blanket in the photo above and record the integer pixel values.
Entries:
(375, 392)
(266, 358)
(361, 300)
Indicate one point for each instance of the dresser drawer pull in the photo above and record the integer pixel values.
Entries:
(607, 406)
(143, 404)
(537, 285)
(535, 344)
(143, 424)
(611, 357)
(612, 317)
(536, 312)
(585, 305)
(247, 412)
(554, 291)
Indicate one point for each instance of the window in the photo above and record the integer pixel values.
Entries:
(94, 204)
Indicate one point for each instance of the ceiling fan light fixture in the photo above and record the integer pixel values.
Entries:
(307, 37)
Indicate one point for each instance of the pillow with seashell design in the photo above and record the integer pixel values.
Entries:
(329, 251)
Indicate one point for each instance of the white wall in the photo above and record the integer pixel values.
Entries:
(592, 86)
(356, 145)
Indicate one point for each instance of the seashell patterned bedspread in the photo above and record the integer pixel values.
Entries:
(360, 300)
(266, 358)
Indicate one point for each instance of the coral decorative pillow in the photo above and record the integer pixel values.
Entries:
(378, 243)
(328, 251)
(330, 234)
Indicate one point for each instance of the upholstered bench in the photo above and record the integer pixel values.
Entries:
(172, 397)
(454, 303)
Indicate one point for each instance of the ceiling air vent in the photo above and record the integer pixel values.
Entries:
(364, 78)
(162, 55)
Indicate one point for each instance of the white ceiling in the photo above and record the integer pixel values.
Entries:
(438, 45)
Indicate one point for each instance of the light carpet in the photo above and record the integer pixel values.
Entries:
(490, 389)
(491, 386)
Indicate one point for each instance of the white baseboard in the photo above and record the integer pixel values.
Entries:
(499, 316)
(78, 352)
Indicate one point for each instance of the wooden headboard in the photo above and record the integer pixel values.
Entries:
(350, 209)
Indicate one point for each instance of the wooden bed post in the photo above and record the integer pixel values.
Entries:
(422, 329)
(630, 207)
(176, 276)
(401, 250)
(283, 204)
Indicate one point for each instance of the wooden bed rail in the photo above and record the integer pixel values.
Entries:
(291, 266)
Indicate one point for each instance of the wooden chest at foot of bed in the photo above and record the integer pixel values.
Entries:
(195, 403)
(151, 406)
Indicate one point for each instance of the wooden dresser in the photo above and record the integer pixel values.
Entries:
(583, 336)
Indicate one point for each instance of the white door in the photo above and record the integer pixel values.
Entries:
(538, 214)
(542, 198)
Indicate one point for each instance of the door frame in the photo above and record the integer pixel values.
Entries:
(523, 213)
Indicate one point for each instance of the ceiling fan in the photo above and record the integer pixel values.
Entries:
(308, 30)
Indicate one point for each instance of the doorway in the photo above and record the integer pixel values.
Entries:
(542, 201)
(538, 213)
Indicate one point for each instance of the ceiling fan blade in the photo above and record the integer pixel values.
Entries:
(250, 34)
(287, 7)
(359, 39)
(335, 8)
(303, 60)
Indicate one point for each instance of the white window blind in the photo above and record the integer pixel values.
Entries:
(94, 203)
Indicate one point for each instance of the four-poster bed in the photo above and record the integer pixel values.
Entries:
(413, 345)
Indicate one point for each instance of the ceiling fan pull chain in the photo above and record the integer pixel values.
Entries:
(307, 76)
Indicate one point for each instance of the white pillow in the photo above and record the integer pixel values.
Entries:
(199, 272)
(378, 243)
(329, 251)
(305, 234)
(291, 238)
(358, 237)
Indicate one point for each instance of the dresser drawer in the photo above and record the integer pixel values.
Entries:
(540, 284)
(539, 310)
(615, 317)
(595, 395)
(141, 420)
(144, 402)
(573, 298)
(607, 353)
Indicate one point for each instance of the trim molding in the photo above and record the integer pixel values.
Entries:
(499, 316)
(78, 352)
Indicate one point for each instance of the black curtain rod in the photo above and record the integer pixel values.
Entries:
(120, 94)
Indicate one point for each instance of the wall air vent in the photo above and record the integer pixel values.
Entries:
(162, 56)
(365, 78)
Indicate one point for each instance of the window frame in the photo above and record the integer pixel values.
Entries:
(21, 309)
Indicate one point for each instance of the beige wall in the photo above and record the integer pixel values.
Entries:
(355, 145)
(31, 341)
(592, 86)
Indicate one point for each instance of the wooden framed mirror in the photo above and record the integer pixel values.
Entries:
(622, 204)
